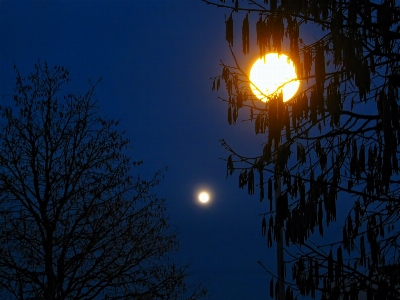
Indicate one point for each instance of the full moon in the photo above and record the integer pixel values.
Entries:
(272, 74)
(204, 197)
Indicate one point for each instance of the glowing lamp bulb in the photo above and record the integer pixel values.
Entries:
(271, 75)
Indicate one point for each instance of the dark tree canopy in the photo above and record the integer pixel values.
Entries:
(335, 144)
(74, 223)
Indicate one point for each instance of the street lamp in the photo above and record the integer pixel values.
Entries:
(273, 74)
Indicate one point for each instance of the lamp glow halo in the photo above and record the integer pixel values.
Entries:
(272, 74)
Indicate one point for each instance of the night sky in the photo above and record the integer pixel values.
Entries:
(156, 59)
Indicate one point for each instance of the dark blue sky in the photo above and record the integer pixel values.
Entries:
(156, 58)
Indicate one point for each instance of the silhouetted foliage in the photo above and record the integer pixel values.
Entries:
(335, 144)
(74, 224)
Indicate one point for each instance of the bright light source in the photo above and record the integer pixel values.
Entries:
(272, 74)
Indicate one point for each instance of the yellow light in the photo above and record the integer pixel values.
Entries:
(273, 74)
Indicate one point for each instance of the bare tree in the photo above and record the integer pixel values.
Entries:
(335, 145)
(74, 224)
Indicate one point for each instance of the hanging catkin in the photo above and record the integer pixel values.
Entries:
(270, 193)
(229, 115)
(330, 266)
(263, 226)
(250, 184)
(319, 77)
(262, 36)
(261, 185)
(229, 30)
(246, 35)
(320, 219)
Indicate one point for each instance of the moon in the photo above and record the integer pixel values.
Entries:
(273, 73)
(204, 197)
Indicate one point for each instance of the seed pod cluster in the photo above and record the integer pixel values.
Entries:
(355, 167)
(301, 153)
(275, 22)
(389, 118)
(293, 31)
(263, 40)
(283, 155)
(330, 204)
(300, 110)
(276, 118)
(334, 102)
(267, 28)
(261, 123)
(302, 220)
(372, 234)
(243, 179)
(267, 152)
(307, 59)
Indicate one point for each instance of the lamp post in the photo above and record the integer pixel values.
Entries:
(269, 75)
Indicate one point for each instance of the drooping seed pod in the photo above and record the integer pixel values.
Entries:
(250, 183)
(262, 36)
(230, 166)
(330, 266)
(340, 259)
(246, 35)
(263, 226)
(229, 30)
(362, 250)
(269, 237)
(262, 124)
(270, 189)
(239, 100)
(229, 115)
(320, 219)
(261, 185)
(302, 197)
(307, 62)
(361, 158)
(267, 152)
(235, 114)
(225, 74)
